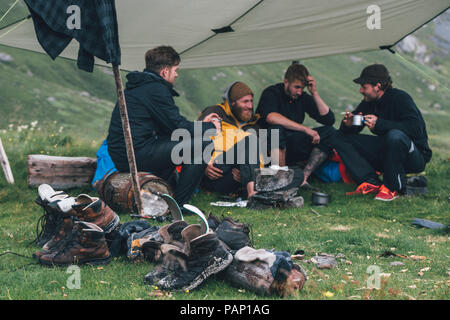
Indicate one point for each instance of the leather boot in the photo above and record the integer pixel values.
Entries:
(87, 244)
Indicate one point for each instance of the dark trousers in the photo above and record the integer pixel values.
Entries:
(244, 158)
(157, 157)
(394, 154)
(299, 145)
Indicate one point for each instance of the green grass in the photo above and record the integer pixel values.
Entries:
(360, 228)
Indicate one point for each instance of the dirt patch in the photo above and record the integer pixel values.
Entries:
(340, 228)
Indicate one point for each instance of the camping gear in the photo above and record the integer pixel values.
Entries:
(255, 270)
(49, 220)
(224, 33)
(116, 190)
(276, 199)
(320, 198)
(358, 120)
(277, 178)
(203, 256)
(233, 233)
(87, 245)
(427, 224)
(416, 185)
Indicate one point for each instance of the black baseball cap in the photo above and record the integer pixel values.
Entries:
(373, 74)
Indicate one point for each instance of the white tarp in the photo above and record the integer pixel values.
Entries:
(263, 31)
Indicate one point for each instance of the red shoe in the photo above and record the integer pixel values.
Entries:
(364, 188)
(386, 195)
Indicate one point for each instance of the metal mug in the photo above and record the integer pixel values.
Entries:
(358, 120)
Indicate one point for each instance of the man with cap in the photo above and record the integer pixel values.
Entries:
(283, 107)
(399, 144)
(236, 154)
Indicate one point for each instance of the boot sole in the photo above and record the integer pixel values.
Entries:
(213, 269)
(93, 262)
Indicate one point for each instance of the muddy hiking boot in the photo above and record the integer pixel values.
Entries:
(50, 220)
(202, 256)
(90, 209)
(233, 233)
(87, 245)
(58, 239)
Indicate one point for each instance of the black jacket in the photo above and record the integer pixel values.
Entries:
(274, 99)
(395, 110)
(152, 114)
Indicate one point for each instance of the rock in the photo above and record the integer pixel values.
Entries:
(396, 264)
(4, 57)
(324, 261)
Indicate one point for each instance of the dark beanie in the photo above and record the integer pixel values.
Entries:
(239, 90)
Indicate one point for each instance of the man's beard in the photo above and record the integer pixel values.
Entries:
(242, 114)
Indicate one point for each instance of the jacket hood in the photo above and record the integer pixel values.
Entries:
(138, 78)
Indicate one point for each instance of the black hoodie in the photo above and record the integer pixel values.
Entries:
(152, 113)
(396, 110)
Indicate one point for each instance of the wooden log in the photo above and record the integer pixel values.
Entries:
(5, 164)
(60, 172)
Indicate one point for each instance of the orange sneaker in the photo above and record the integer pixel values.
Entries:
(364, 188)
(386, 195)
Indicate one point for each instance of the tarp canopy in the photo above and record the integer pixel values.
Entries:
(210, 33)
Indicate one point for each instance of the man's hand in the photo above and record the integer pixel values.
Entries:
(212, 172)
(236, 175)
(370, 120)
(314, 135)
(215, 119)
(348, 118)
(311, 84)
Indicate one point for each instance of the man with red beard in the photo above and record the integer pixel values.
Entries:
(399, 143)
(236, 152)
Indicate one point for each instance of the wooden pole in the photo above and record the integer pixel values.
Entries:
(128, 140)
(5, 164)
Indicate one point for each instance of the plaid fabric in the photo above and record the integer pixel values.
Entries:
(98, 35)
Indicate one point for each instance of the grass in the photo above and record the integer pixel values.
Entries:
(359, 228)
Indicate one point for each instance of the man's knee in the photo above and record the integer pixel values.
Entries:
(396, 138)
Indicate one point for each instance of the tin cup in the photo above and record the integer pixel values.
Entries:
(358, 120)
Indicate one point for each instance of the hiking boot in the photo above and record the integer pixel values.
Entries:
(168, 234)
(203, 255)
(386, 195)
(58, 239)
(87, 244)
(364, 188)
(90, 209)
(173, 261)
(234, 234)
(50, 221)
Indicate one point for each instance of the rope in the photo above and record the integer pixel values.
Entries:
(7, 11)
(409, 63)
(14, 28)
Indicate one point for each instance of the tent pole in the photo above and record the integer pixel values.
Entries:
(128, 140)
(5, 164)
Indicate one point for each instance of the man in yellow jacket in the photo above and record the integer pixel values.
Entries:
(236, 153)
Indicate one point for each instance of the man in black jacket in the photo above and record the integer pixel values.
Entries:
(283, 107)
(153, 118)
(399, 144)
